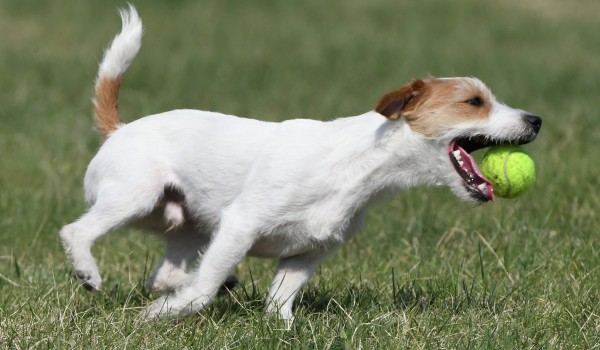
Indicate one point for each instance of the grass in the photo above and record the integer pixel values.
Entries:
(425, 272)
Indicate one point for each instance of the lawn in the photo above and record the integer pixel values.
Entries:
(426, 271)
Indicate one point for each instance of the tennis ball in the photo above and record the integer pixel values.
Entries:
(509, 169)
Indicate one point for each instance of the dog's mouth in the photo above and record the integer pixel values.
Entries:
(480, 188)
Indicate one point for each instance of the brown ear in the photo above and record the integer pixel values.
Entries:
(393, 104)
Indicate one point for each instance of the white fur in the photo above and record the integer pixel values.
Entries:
(124, 46)
(294, 191)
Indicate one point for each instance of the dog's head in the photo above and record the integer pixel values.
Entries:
(457, 116)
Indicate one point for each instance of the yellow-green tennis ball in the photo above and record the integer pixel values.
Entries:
(509, 169)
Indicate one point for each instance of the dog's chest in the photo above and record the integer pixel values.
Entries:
(290, 242)
(321, 234)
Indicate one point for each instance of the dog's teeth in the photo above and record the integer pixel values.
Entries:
(482, 186)
(460, 162)
(457, 155)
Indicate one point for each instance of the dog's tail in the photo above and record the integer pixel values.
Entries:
(117, 58)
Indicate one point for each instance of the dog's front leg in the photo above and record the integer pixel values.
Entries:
(291, 275)
(229, 246)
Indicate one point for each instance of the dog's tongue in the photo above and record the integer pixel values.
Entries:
(467, 168)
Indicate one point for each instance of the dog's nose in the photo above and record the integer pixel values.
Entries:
(534, 121)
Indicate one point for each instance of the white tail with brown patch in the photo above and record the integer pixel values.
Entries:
(117, 58)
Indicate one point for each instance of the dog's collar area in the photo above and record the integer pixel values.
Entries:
(478, 186)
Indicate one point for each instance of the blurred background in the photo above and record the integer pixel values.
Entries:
(276, 60)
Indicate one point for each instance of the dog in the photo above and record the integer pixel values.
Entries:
(220, 187)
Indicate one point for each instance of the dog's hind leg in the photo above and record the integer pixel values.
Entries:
(229, 245)
(183, 248)
(114, 207)
(291, 275)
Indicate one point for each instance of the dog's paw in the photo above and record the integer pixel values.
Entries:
(167, 306)
(163, 283)
(89, 280)
(158, 308)
(185, 303)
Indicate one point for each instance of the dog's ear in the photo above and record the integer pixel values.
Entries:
(392, 105)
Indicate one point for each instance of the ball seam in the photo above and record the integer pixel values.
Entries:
(508, 188)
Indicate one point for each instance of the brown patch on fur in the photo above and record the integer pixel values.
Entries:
(393, 104)
(441, 104)
(106, 102)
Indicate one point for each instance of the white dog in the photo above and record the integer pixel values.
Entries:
(226, 187)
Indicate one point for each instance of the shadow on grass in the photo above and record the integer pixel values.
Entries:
(248, 299)
(458, 299)
(410, 297)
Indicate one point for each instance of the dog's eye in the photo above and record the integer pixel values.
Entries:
(475, 101)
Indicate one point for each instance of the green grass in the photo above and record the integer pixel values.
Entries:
(425, 272)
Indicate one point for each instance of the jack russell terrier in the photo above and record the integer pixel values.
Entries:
(220, 187)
